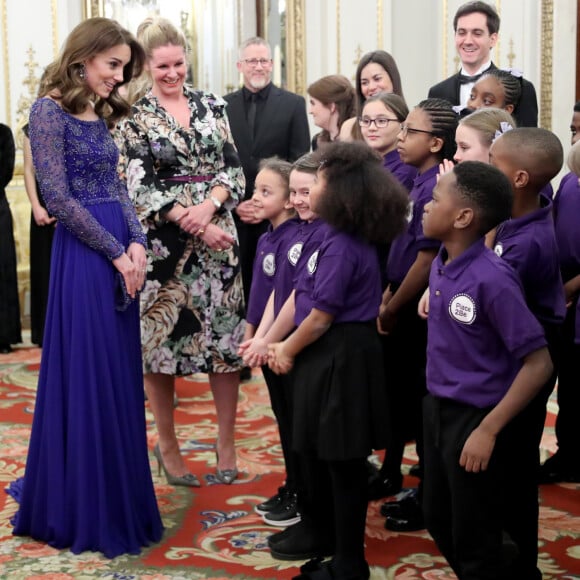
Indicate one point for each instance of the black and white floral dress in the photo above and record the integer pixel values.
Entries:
(192, 305)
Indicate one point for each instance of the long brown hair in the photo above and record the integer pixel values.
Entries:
(64, 76)
(386, 61)
(335, 89)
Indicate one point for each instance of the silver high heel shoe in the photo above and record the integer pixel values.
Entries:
(226, 476)
(188, 480)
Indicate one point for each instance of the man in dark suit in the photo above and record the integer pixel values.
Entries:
(266, 121)
(476, 26)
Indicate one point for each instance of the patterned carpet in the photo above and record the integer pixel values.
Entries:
(213, 532)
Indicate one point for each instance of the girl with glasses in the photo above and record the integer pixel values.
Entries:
(380, 123)
(424, 140)
(376, 72)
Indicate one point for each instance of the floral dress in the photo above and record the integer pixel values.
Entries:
(192, 305)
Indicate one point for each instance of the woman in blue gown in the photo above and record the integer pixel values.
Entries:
(87, 483)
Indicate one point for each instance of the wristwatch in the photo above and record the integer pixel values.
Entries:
(215, 201)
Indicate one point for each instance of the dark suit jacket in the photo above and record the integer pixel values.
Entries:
(525, 114)
(283, 131)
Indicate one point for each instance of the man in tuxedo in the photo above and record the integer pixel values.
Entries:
(476, 26)
(266, 121)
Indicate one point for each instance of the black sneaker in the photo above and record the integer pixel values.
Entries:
(286, 514)
(271, 504)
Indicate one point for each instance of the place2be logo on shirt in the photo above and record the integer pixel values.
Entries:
(294, 253)
(462, 308)
(312, 263)
(269, 264)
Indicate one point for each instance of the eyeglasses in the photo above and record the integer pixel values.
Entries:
(380, 122)
(254, 62)
(405, 130)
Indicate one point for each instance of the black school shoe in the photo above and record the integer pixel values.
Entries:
(557, 469)
(317, 569)
(416, 470)
(286, 514)
(380, 486)
(397, 508)
(408, 517)
(278, 536)
(298, 542)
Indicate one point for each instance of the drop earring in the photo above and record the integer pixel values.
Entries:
(82, 72)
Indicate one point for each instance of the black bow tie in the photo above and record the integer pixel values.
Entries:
(464, 79)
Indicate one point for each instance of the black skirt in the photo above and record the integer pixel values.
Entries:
(339, 394)
(9, 305)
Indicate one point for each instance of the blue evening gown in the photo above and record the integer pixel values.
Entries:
(87, 483)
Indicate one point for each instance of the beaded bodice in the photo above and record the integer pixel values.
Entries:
(76, 165)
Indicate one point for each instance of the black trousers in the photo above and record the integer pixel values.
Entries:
(281, 399)
(568, 419)
(519, 492)
(335, 507)
(404, 355)
(462, 512)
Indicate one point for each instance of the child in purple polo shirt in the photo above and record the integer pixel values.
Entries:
(424, 140)
(530, 158)
(282, 509)
(337, 377)
(564, 465)
(486, 360)
(380, 124)
(271, 200)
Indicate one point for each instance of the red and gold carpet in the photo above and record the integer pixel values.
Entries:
(213, 532)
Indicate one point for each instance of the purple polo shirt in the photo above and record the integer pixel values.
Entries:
(548, 191)
(306, 239)
(405, 174)
(479, 327)
(566, 214)
(407, 245)
(528, 244)
(341, 278)
(270, 255)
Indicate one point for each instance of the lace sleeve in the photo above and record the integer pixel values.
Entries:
(47, 140)
(136, 233)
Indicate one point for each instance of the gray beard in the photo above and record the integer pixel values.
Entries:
(255, 84)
